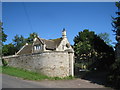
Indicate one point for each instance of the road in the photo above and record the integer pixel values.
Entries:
(14, 82)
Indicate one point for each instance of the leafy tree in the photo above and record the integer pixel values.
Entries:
(4, 36)
(105, 37)
(114, 76)
(31, 37)
(104, 53)
(92, 51)
(19, 41)
(8, 49)
(83, 41)
(0, 38)
(83, 47)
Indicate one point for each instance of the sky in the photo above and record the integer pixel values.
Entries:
(49, 18)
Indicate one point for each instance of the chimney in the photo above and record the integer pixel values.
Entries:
(63, 33)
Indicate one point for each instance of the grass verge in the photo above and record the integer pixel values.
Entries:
(0, 69)
(28, 75)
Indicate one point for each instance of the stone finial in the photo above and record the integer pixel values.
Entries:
(63, 33)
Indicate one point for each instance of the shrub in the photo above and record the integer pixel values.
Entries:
(4, 63)
(114, 75)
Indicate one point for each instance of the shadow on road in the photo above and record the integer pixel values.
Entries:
(96, 77)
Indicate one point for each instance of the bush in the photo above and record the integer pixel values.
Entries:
(4, 63)
(114, 76)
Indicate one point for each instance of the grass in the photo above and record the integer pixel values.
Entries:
(28, 75)
(0, 69)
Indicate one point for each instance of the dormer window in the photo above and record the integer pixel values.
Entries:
(37, 47)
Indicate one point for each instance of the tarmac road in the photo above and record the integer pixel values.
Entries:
(14, 82)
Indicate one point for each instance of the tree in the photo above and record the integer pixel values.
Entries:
(83, 41)
(114, 75)
(105, 53)
(105, 37)
(116, 21)
(8, 49)
(92, 51)
(19, 41)
(31, 37)
(4, 36)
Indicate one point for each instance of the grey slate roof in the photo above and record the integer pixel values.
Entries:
(52, 43)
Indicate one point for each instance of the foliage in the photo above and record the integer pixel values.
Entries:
(18, 41)
(29, 75)
(105, 37)
(92, 51)
(83, 41)
(8, 49)
(4, 63)
(116, 21)
(4, 36)
(31, 37)
(114, 75)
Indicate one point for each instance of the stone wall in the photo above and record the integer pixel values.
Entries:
(54, 64)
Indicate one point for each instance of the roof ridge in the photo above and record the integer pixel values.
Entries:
(46, 39)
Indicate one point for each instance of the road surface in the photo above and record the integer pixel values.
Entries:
(14, 82)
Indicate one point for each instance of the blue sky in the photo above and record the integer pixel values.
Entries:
(49, 18)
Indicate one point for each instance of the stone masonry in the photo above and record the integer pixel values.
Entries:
(53, 64)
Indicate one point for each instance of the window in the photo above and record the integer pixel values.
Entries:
(34, 47)
(37, 47)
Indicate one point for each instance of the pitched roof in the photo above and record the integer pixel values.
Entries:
(27, 49)
(51, 43)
